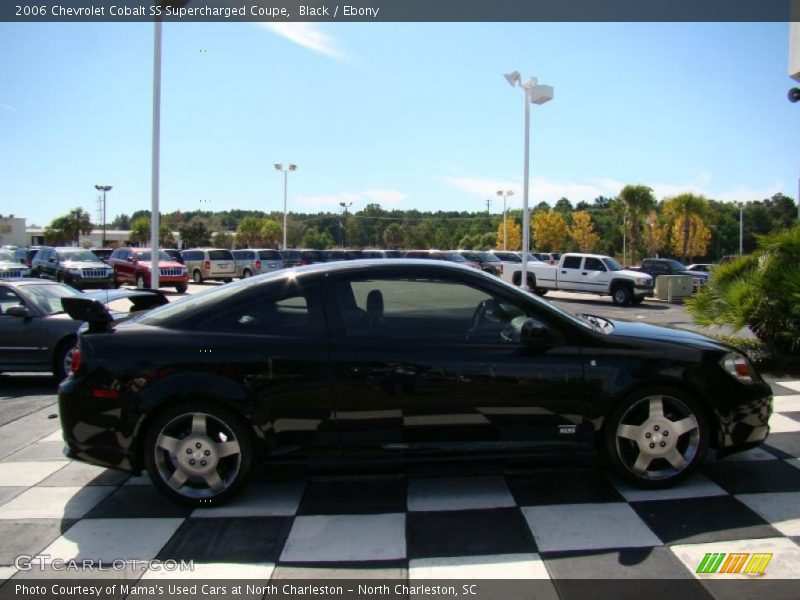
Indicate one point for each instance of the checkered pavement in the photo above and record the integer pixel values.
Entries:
(414, 523)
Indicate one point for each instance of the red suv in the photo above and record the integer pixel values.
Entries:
(132, 265)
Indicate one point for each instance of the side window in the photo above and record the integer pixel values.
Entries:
(593, 264)
(269, 255)
(572, 262)
(9, 299)
(291, 313)
(423, 309)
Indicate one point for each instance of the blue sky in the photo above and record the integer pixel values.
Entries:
(406, 115)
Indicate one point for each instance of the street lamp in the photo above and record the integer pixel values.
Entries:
(345, 206)
(104, 189)
(741, 228)
(536, 94)
(279, 167)
(504, 196)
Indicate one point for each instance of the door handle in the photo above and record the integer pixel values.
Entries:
(563, 272)
(584, 273)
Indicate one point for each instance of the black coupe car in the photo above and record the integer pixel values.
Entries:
(401, 359)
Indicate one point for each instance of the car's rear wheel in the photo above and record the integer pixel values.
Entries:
(62, 362)
(246, 273)
(198, 454)
(657, 437)
(197, 276)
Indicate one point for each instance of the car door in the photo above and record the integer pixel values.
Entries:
(569, 273)
(21, 340)
(594, 275)
(411, 373)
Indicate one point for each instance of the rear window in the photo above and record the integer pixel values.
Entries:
(572, 262)
(290, 254)
(269, 255)
(220, 255)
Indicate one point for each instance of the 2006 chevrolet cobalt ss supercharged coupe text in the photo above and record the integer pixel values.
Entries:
(401, 359)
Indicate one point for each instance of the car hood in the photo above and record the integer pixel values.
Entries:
(701, 274)
(8, 264)
(84, 264)
(630, 273)
(631, 329)
(162, 264)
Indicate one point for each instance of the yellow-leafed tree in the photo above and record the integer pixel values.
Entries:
(550, 231)
(697, 242)
(654, 235)
(582, 231)
(514, 236)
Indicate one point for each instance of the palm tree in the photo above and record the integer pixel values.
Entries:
(682, 210)
(73, 224)
(639, 200)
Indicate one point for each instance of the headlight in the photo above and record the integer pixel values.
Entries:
(737, 366)
(642, 281)
(74, 271)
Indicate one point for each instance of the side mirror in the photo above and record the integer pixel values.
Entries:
(535, 333)
(51, 260)
(18, 311)
(130, 259)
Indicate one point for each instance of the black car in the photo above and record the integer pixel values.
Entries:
(402, 359)
(485, 260)
(71, 265)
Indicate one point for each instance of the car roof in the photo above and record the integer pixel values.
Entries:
(27, 281)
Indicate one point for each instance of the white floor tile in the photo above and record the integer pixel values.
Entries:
(232, 571)
(458, 493)
(329, 538)
(272, 500)
(54, 502)
(499, 566)
(792, 385)
(697, 486)
(786, 403)
(786, 557)
(27, 473)
(7, 573)
(56, 436)
(782, 424)
(782, 509)
(587, 527)
(113, 539)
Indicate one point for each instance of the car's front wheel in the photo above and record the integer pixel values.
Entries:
(657, 437)
(181, 288)
(198, 454)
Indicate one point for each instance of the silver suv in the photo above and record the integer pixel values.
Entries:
(209, 263)
(254, 261)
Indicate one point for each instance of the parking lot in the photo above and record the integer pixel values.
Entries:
(516, 519)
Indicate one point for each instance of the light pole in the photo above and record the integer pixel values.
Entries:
(741, 228)
(504, 196)
(536, 94)
(279, 167)
(104, 189)
(345, 206)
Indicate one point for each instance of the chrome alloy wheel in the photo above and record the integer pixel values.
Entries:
(197, 455)
(658, 438)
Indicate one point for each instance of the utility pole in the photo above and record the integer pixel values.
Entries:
(345, 206)
(488, 206)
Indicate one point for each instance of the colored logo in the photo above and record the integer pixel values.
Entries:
(735, 562)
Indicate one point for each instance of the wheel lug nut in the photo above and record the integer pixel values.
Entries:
(188, 451)
(663, 444)
(198, 445)
(647, 435)
(192, 462)
(652, 445)
(656, 428)
(665, 434)
(207, 453)
(203, 463)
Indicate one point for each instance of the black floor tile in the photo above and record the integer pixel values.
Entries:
(787, 444)
(467, 533)
(245, 540)
(29, 536)
(137, 501)
(393, 569)
(348, 496)
(648, 563)
(702, 520)
(755, 477)
(562, 486)
(631, 588)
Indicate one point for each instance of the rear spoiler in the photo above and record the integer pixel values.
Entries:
(93, 312)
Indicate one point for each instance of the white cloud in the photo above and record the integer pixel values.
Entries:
(331, 202)
(308, 35)
(7, 107)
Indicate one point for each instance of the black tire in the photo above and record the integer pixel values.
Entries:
(541, 291)
(62, 358)
(181, 288)
(621, 294)
(59, 278)
(194, 433)
(197, 276)
(637, 300)
(227, 280)
(656, 437)
(246, 273)
(140, 283)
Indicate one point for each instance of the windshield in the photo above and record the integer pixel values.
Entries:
(487, 257)
(145, 256)
(6, 255)
(676, 265)
(453, 257)
(612, 264)
(78, 255)
(47, 297)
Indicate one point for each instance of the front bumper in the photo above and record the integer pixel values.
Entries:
(645, 291)
(744, 427)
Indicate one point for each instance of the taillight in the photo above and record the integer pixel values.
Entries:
(76, 361)
(258, 264)
(207, 265)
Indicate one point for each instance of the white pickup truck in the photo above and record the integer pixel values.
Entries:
(589, 273)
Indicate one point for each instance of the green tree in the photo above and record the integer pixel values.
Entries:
(271, 233)
(248, 233)
(639, 201)
(195, 233)
(72, 225)
(487, 241)
(140, 230)
(223, 239)
(316, 239)
(684, 212)
(394, 236)
(165, 236)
